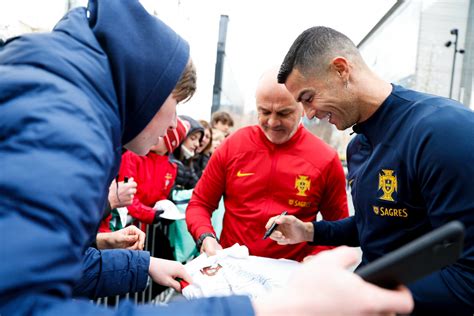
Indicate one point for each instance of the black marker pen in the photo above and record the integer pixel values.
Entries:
(274, 226)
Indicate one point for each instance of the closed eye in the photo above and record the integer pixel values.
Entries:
(264, 112)
(285, 113)
(306, 97)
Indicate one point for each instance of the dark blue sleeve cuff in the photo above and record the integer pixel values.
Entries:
(143, 261)
(336, 233)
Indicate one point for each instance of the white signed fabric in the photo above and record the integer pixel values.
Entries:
(234, 271)
(170, 210)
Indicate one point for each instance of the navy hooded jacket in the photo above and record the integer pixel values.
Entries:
(69, 99)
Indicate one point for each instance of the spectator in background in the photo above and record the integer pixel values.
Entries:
(264, 170)
(203, 153)
(154, 174)
(222, 121)
(186, 177)
(218, 137)
(121, 194)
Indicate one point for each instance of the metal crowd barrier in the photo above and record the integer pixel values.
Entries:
(145, 296)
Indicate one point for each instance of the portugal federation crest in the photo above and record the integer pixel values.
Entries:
(168, 178)
(388, 184)
(302, 184)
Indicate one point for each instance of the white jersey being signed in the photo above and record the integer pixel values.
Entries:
(234, 272)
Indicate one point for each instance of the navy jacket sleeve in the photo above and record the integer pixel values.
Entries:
(336, 233)
(444, 157)
(112, 272)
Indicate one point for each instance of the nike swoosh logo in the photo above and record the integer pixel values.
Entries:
(240, 174)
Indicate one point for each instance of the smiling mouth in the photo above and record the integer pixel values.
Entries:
(310, 116)
(329, 116)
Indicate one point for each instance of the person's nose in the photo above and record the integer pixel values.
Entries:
(273, 121)
(174, 122)
(311, 111)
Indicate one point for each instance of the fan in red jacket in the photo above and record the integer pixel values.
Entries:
(154, 174)
(264, 170)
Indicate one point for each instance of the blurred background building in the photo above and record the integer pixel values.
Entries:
(423, 34)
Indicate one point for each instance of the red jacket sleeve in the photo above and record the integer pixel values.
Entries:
(206, 195)
(138, 210)
(141, 212)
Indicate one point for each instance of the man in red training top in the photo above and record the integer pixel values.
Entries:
(263, 170)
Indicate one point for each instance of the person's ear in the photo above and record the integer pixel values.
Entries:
(341, 66)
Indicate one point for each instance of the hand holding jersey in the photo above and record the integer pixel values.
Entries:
(210, 246)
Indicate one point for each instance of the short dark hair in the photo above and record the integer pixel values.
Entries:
(312, 47)
(223, 117)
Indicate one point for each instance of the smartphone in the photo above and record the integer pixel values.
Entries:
(420, 257)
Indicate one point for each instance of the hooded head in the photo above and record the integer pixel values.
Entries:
(147, 59)
(195, 126)
(193, 139)
(175, 136)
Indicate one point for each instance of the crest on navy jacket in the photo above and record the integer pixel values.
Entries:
(388, 184)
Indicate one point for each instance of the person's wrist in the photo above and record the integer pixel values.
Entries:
(101, 241)
(113, 203)
(151, 266)
(201, 239)
(308, 232)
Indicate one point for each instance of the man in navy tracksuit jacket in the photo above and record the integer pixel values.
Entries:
(411, 166)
